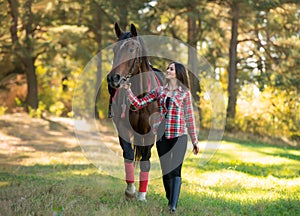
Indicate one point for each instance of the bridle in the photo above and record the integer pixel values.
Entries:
(136, 63)
(137, 59)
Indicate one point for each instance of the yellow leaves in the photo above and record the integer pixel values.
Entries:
(70, 29)
(293, 41)
(57, 108)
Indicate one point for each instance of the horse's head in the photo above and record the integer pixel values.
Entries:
(128, 53)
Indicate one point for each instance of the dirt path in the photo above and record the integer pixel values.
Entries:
(29, 140)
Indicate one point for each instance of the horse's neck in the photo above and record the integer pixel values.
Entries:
(146, 65)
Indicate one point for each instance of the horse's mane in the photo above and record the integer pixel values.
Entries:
(158, 74)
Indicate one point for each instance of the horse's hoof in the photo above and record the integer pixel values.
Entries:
(142, 201)
(130, 196)
(142, 197)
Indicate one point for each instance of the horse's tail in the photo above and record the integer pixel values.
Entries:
(140, 151)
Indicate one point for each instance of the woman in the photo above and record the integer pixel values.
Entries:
(176, 119)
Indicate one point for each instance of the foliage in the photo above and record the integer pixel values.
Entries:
(268, 113)
(2, 110)
(37, 113)
(66, 35)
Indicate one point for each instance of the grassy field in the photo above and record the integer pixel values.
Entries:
(44, 172)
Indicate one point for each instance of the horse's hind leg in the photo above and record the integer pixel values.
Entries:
(128, 155)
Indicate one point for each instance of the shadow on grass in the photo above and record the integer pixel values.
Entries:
(231, 162)
(279, 171)
(255, 143)
(284, 155)
(255, 169)
(278, 151)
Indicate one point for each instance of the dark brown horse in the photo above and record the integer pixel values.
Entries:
(130, 64)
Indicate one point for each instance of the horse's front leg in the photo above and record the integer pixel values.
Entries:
(128, 155)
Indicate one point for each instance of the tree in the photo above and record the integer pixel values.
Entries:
(232, 68)
(27, 42)
(193, 35)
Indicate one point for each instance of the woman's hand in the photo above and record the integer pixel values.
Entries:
(196, 149)
(126, 86)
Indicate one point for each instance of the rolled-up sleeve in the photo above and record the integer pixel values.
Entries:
(189, 118)
(144, 101)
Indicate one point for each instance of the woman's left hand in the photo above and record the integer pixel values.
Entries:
(126, 86)
(196, 149)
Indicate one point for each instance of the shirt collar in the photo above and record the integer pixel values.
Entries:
(178, 89)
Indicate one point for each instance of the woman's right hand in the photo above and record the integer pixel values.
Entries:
(196, 149)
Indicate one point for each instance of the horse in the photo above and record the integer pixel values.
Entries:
(130, 64)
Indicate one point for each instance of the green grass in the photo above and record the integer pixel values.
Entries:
(241, 178)
(265, 183)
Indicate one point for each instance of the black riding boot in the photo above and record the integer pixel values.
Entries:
(168, 184)
(175, 193)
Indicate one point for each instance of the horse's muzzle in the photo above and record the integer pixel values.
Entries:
(115, 80)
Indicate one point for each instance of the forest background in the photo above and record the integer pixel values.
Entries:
(252, 45)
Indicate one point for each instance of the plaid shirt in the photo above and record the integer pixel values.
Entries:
(179, 115)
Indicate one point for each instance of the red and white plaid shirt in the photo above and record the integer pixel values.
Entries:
(179, 115)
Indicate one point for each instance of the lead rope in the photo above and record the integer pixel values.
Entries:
(123, 107)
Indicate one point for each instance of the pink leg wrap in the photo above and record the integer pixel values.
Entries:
(129, 171)
(143, 181)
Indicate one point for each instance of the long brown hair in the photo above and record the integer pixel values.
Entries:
(181, 75)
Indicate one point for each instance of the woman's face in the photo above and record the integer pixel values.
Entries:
(171, 73)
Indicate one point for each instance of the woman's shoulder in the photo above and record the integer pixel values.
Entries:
(184, 91)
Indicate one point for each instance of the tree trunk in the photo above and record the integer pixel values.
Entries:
(232, 70)
(99, 70)
(32, 90)
(29, 58)
(25, 52)
(123, 14)
(13, 6)
(193, 36)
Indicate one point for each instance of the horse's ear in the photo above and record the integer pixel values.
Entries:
(118, 30)
(133, 30)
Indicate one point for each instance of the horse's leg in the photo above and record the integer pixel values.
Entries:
(144, 172)
(128, 155)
